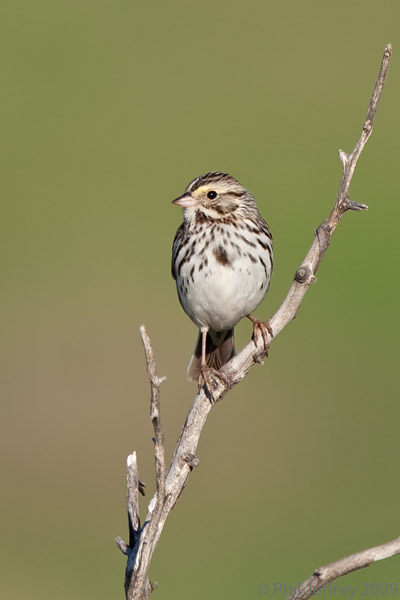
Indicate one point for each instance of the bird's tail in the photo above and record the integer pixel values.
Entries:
(220, 348)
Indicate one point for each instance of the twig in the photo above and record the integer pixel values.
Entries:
(137, 585)
(171, 484)
(324, 575)
(133, 485)
(159, 439)
(239, 366)
(132, 500)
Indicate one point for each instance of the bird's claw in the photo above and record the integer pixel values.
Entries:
(207, 378)
(264, 328)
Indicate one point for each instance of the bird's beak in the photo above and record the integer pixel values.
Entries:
(185, 201)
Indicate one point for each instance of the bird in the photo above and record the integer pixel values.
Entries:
(222, 261)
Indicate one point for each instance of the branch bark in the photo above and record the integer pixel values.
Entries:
(171, 483)
(324, 575)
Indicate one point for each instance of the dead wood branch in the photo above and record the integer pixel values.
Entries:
(324, 575)
(171, 482)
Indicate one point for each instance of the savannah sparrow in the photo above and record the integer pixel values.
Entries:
(222, 262)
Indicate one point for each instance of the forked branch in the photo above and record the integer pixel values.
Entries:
(171, 482)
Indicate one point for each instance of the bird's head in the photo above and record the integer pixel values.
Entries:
(214, 196)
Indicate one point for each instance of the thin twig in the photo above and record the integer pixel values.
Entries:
(239, 366)
(349, 162)
(324, 575)
(132, 484)
(155, 416)
(171, 484)
(132, 505)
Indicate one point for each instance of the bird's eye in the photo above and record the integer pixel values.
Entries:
(211, 195)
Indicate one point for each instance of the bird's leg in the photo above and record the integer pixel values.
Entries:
(204, 331)
(206, 372)
(264, 327)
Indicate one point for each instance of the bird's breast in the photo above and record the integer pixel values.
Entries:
(222, 278)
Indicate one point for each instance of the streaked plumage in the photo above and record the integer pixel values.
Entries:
(222, 261)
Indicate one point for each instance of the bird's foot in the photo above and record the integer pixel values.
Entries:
(264, 328)
(210, 378)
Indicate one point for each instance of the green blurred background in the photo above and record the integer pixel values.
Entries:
(109, 110)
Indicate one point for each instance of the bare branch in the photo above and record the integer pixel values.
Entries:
(238, 367)
(132, 500)
(137, 585)
(324, 575)
(349, 165)
(159, 439)
(171, 483)
(132, 505)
